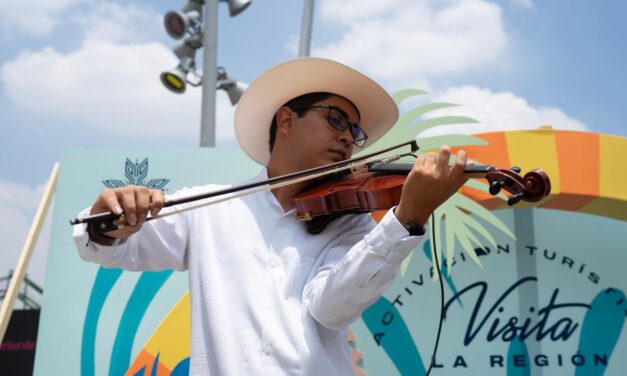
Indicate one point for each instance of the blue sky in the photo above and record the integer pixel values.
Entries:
(86, 72)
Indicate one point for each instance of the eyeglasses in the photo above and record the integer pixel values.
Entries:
(339, 120)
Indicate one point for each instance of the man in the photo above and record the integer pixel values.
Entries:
(267, 298)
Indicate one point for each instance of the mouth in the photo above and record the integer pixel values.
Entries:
(341, 153)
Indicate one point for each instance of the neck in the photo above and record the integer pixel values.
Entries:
(284, 194)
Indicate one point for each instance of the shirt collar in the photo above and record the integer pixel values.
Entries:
(263, 175)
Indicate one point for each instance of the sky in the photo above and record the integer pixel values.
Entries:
(86, 73)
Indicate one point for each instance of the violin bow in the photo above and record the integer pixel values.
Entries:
(103, 222)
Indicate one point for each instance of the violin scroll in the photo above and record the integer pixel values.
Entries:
(534, 186)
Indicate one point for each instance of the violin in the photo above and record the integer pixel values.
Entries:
(355, 186)
(380, 186)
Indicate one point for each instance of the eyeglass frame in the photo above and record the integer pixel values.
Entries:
(344, 115)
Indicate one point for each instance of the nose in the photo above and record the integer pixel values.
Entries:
(346, 137)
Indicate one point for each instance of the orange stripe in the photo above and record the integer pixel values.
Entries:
(612, 200)
(145, 359)
(578, 157)
(494, 153)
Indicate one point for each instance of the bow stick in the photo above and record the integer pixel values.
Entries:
(103, 222)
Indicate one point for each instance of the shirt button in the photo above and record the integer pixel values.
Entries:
(267, 350)
(273, 264)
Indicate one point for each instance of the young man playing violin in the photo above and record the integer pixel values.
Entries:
(268, 298)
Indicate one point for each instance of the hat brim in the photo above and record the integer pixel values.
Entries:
(283, 82)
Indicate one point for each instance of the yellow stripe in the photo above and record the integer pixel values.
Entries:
(613, 167)
(535, 149)
(172, 338)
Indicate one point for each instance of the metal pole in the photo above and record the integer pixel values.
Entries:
(209, 74)
(305, 30)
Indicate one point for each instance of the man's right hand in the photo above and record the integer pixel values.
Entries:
(134, 201)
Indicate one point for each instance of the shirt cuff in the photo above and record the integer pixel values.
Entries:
(391, 236)
(90, 250)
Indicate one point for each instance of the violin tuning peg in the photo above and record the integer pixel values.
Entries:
(516, 169)
(515, 199)
(495, 187)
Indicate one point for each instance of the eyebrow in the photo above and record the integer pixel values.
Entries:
(346, 114)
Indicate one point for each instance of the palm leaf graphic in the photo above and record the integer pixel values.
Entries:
(451, 219)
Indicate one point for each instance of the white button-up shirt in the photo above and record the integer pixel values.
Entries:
(267, 298)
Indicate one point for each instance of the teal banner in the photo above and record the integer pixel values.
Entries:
(95, 320)
(549, 302)
(549, 298)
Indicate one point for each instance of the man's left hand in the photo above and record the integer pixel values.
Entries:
(430, 182)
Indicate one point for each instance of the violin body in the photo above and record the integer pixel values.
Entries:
(361, 193)
(380, 189)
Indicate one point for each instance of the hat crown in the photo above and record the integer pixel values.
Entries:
(293, 78)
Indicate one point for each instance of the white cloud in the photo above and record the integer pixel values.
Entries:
(106, 85)
(18, 204)
(99, 19)
(407, 39)
(112, 81)
(121, 23)
(19, 196)
(497, 112)
(113, 87)
(33, 17)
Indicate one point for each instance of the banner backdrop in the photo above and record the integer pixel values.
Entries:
(549, 298)
(95, 320)
(550, 302)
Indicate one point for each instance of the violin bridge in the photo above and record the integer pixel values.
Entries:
(359, 168)
(305, 217)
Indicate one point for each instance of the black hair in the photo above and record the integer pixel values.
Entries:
(303, 101)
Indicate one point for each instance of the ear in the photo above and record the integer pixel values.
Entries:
(284, 118)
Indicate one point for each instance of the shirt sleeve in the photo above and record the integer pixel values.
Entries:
(159, 244)
(349, 282)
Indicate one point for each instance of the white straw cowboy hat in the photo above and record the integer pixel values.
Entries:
(288, 80)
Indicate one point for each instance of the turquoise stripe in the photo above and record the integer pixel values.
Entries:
(103, 283)
(600, 331)
(520, 366)
(145, 290)
(445, 275)
(383, 317)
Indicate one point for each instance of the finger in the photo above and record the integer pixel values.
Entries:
(430, 159)
(127, 198)
(420, 161)
(132, 229)
(142, 197)
(157, 199)
(443, 158)
(460, 164)
(111, 200)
